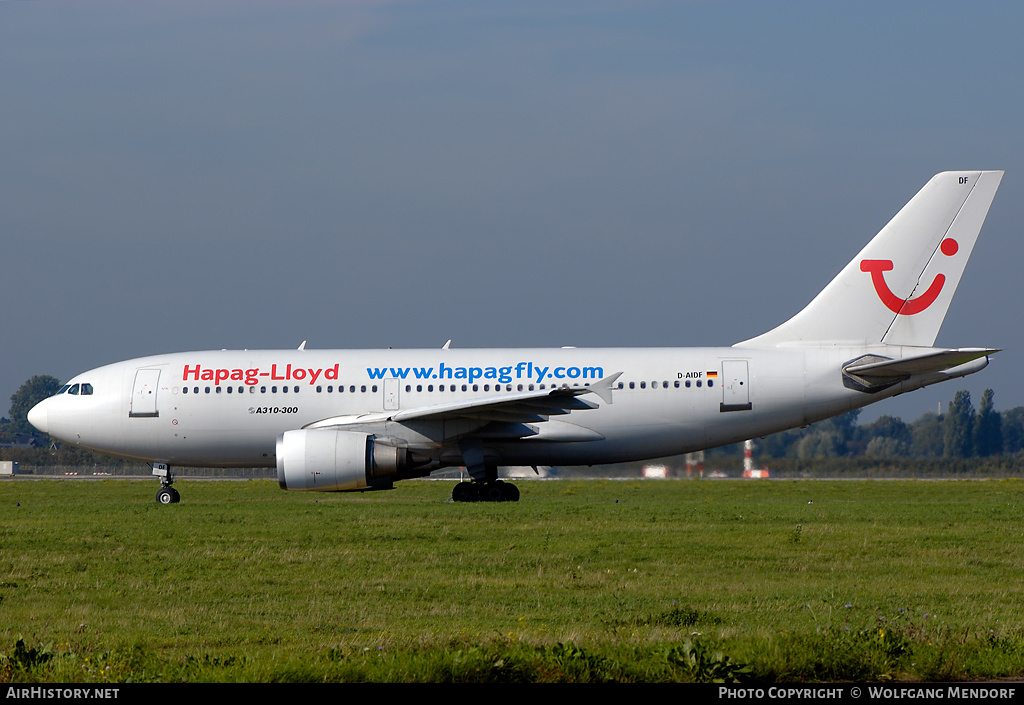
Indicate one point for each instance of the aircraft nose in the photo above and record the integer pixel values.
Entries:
(39, 417)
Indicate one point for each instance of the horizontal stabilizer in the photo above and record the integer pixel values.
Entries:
(886, 370)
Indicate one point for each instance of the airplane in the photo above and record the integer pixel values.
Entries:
(360, 420)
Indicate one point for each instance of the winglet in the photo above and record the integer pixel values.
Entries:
(603, 387)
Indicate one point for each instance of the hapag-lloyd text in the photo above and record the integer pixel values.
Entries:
(255, 375)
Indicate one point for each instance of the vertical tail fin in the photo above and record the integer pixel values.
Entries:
(898, 288)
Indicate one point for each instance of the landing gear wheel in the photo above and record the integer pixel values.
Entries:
(168, 495)
(464, 492)
(485, 492)
(509, 492)
(500, 491)
(494, 492)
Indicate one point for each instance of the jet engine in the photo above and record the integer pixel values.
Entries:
(324, 460)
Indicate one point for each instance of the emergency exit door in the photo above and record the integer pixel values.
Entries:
(144, 393)
(735, 386)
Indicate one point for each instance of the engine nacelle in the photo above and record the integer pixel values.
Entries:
(323, 460)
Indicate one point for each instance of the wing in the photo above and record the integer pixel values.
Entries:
(502, 415)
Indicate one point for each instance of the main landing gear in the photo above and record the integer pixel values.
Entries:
(496, 491)
(485, 487)
(167, 494)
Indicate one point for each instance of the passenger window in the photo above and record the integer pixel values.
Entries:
(699, 383)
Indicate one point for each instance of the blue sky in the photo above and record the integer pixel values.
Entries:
(194, 175)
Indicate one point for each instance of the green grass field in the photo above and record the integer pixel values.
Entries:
(643, 581)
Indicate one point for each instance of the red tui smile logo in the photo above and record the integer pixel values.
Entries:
(907, 307)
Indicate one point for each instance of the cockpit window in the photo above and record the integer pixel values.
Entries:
(74, 389)
(86, 388)
(65, 388)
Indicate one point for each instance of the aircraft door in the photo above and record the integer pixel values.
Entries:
(144, 393)
(735, 386)
(391, 394)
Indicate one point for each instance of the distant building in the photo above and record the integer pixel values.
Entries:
(659, 471)
(21, 440)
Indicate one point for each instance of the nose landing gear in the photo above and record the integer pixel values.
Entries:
(167, 494)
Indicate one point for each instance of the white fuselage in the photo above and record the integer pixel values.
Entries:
(227, 408)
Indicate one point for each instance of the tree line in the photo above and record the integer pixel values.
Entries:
(961, 432)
